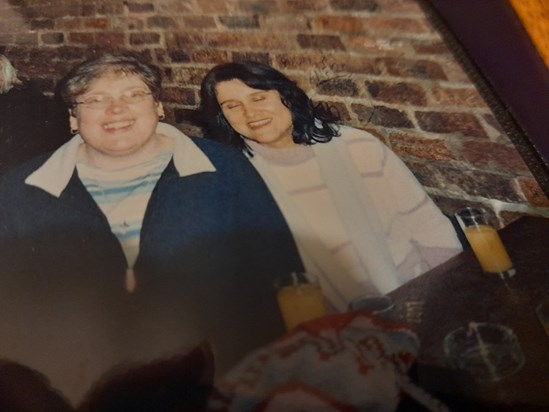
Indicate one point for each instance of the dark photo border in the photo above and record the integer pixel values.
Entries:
(489, 41)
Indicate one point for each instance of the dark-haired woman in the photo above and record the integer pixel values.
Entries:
(361, 220)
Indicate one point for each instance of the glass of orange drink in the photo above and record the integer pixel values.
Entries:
(485, 241)
(300, 299)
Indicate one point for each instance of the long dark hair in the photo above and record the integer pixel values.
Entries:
(312, 123)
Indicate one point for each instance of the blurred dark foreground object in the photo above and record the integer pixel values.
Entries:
(179, 384)
(349, 362)
(182, 383)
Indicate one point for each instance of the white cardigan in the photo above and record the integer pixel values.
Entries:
(361, 220)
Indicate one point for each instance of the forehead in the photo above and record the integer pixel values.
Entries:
(115, 81)
(236, 89)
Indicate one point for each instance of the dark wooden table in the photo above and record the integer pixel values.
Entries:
(458, 292)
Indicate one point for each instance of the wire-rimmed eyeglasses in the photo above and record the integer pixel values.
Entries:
(102, 101)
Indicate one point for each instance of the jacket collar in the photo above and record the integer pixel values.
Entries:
(54, 175)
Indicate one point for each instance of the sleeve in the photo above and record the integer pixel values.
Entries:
(271, 244)
(399, 195)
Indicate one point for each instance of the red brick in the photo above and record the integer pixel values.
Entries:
(186, 76)
(382, 116)
(475, 182)
(180, 95)
(210, 56)
(399, 6)
(259, 41)
(198, 22)
(399, 93)
(421, 148)
(425, 173)
(533, 192)
(281, 23)
(140, 7)
(179, 56)
(128, 23)
(355, 5)
(346, 24)
(52, 38)
(110, 38)
(161, 22)
(96, 23)
(68, 24)
(240, 22)
(304, 5)
(26, 39)
(81, 38)
(467, 97)
(137, 39)
(42, 24)
(440, 122)
(431, 48)
(338, 86)
(262, 57)
(182, 40)
(423, 69)
(340, 109)
(494, 155)
(320, 41)
(329, 62)
(110, 9)
(399, 25)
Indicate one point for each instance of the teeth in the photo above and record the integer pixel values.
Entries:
(260, 123)
(118, 125)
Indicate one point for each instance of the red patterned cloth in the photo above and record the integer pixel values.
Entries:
(342, 363)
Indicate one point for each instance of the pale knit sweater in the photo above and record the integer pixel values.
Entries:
(412, 231)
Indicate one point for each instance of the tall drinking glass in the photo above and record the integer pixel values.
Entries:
(300, 299)
(485, 241)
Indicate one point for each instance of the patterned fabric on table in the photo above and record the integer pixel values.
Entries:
(348, 363)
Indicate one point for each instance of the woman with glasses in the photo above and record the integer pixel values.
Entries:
(132, 240)
(361, 220)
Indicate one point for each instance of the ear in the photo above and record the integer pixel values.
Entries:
(160, 110)
(73, 120)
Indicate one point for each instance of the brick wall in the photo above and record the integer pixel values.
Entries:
(378, 61)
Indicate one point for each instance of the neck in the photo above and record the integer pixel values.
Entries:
(157, 145)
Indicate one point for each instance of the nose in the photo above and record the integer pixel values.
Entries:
(117, 104)
(249, 110)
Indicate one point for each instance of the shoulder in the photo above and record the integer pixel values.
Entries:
(221, 154)
(365, 148)
(18, 174)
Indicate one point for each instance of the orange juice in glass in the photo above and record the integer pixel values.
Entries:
(300, 299)
(485, 241)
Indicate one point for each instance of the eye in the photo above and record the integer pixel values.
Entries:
(259, 97)
(98, 98)
(231, 105)
(136, 94)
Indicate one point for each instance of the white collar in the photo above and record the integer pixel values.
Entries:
(54, 175)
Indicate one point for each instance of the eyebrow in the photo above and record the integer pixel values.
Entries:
(249, 95)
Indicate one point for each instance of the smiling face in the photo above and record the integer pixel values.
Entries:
(120, 129)
(258, 115)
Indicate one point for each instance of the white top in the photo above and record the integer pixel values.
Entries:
(361, 220)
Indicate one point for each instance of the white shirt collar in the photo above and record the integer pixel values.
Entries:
(54, 175)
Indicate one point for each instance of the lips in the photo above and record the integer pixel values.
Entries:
(113, 126)
(259, 123)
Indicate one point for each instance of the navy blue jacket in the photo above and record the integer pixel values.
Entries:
(211, 246)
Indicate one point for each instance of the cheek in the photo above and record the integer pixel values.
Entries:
(234, 119)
